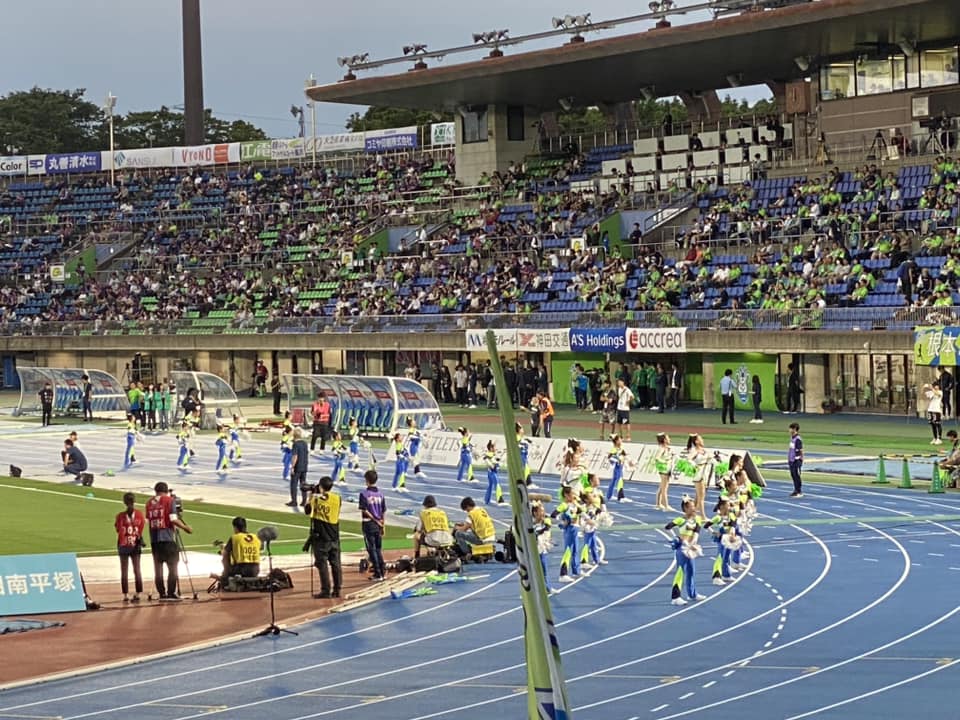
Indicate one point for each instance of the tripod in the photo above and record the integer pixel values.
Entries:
(186, 564)
(272, 628)
(878, 148)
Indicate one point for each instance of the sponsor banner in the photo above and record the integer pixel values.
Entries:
(58, 273)
(199, 155)
(81, 162)
(443, 133)
(443, 448)
(544, 340)
(602, 340)
(36, 164)
(657, 340)
(935, 346)
(341, 142)
(264, 150)
(391, 139)
(287, 149)
(258, 150)
(506, 340)
(32, 584)
(13, 165)
(139, 158)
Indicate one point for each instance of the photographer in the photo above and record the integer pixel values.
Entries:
(241, 553)
(163, 515)
(323, 507)
(129, 525)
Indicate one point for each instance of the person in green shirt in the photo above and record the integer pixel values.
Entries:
(149, 409)
(163, 406)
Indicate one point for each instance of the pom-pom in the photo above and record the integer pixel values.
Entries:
(692, 551)
(686, 468)
(731, 541)
(605, 520)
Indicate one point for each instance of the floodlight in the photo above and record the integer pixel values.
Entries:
(803, 63)
(654, 6)
(647, 93)
(666, 5)
(565, 103)
(415, 49)
(735, 80)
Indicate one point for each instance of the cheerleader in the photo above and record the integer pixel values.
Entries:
(414, 438)
(567, 515)
(238, 427)
(400, 468)
(687, 546)
(354, 431)
(542, 528)
(287, 423)
(194, 419)
(524, 444)
(222, 443)
(698, 455)
(663, 461)
(286, 451)
(339, 452)
(492, 461)
(133, 434)
(617, 457)
(724, 526)
(593, 509)
(568, 463)
(465, 468)
(184, 437)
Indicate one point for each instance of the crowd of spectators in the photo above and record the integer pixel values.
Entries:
(265, 242)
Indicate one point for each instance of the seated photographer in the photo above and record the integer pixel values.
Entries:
(74, 461)
(241, 553)
(433, 528)
(951, 463)
(477, 529)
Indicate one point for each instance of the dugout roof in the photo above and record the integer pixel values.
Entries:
(684, 58)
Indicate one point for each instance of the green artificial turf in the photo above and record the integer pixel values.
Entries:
(42, 517)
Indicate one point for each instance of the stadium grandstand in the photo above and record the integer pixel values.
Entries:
(836, 216)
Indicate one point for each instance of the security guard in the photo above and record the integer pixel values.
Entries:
(323, 507)
(241, 554)
(46, 404)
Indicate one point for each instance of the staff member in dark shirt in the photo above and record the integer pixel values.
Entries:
(299, 460)
(87, 399)
(373, 509)
(324, 511)
(74, 461)
(46, 404)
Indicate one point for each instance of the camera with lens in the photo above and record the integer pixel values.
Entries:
(177, 504)
(311, 488)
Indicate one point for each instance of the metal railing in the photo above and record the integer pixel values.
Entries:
(827, 319)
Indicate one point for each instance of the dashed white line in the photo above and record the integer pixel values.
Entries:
(775, 636)
(768, 643)
(709, 684)
(790, 551)
(728, 673)
(871, 560)
(935, 554)
(658, 708)
(686, 695)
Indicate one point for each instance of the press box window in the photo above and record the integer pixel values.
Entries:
(474, 124)
(515, 131)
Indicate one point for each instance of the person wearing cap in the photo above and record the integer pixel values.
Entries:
(241, 553)
(433, 527)
(323, 507)
(163, 522)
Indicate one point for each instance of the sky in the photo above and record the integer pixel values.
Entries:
(257, 53)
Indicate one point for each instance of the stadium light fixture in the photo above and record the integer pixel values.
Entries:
(575, 24)
(350, 62)
(493, 38)
(565, 103)
(660, 9)
(648, 93)
(414, 50)
(297, 112)
(735, 79)
(802, 62)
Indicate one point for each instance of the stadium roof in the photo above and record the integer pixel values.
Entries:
(759, 47)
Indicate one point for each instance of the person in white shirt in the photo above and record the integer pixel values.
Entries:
(934, 411)
(624, 401)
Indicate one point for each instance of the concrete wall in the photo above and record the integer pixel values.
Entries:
(473, 159)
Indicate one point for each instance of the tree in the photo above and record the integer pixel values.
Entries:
(581, 120)
(49, 121)
(164, 128)
(381, 118)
